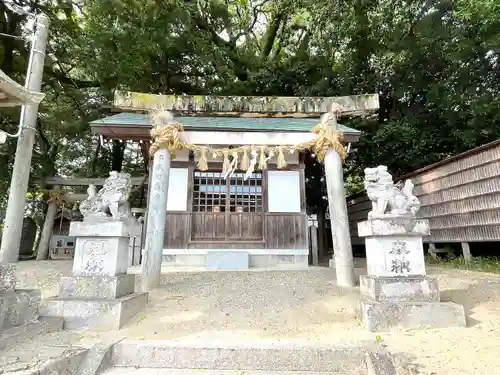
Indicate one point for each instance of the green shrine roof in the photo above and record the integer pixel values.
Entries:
(220, 123)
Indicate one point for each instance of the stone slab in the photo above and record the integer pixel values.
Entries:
(95, 314)
(20, 334)
(170, 371)
(400, 289)
(227, 260)
(254, 356)
(397, 255)
(18, 307)
(380, 362)
(103, 256)
(97, 359)
(394, 226)
(100, 228)
(387, 316)
(7, 278)
(96, 287)
(66, 364)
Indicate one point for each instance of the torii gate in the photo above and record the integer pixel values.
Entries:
(294, 107)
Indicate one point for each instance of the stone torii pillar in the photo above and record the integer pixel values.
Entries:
(341, 238)
(157, 208)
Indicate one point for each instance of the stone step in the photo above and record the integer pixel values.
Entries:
(20, 334)
(94, 314)
(18, 307)
(166, 371)
(271, 356)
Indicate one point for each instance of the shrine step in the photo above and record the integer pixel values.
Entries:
(26, 332)
(166, 371)
(256, 357)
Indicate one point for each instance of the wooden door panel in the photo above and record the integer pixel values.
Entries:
(243, 226)
(208, 226)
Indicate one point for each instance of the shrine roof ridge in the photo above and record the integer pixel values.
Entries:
(272, 124)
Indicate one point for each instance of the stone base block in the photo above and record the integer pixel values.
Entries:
(104, 227)
(20, 334)
(96, 287)
(95, 314)
(386, 316)
(103, 256)
(398, 289)
(18, 308)
(227, 260)
(7, 278)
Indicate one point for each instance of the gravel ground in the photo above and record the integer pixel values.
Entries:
(300, 306)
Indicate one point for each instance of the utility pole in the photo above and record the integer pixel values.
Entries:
(11, 238)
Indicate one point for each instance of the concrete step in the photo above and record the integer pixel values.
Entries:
(166, 371)
(270, 356)
(26, 332)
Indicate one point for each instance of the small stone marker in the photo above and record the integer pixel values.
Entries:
(396, 293)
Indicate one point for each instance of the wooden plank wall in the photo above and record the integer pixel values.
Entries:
(279, 231)
(460, 196)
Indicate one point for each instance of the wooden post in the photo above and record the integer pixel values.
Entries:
(48, 225)
(313, 238)
(432, 250)
(466, 251)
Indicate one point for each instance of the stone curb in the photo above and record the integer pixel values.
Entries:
(98, 358)
(369, 358)
(66, 364)
(380, 362)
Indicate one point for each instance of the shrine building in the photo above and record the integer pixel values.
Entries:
(216, 207)
(264, 215)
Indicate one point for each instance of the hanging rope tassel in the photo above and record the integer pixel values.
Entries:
(245, 161)
(280, 160)
(226, 165)
(202, 161)
(262, 159)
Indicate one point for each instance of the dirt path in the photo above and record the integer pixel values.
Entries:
(304, 306)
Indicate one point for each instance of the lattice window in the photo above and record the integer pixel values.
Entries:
(211, 193)
(245, 196)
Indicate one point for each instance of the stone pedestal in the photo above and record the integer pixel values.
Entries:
(396, 293)
(100, 294)
(19, 310)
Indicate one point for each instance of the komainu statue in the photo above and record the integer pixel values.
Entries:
(388, 199)
(111, 201)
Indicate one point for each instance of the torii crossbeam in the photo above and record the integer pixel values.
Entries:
(266, 106)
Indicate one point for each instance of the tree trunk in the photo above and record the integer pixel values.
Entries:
(117, 153)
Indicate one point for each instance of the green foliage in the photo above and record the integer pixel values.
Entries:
(490, 264)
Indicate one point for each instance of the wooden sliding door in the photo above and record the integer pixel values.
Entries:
(227, 210)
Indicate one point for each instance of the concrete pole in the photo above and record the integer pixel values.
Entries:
(11, 238)
(156, 220)
(344, 262)
(48, 226)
